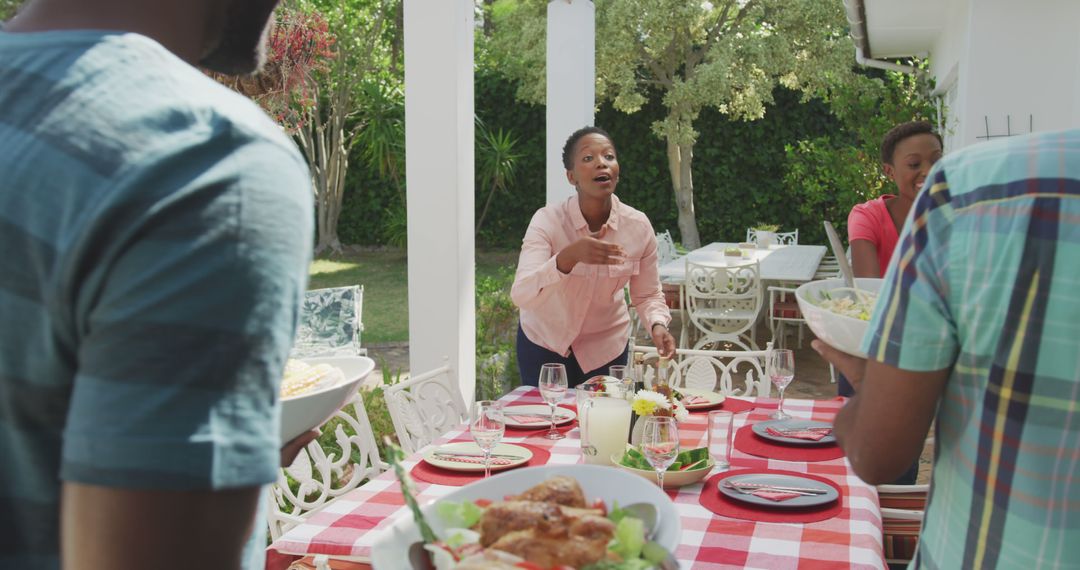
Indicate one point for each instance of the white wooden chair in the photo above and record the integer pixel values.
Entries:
(722, 303)
(330, 323)
(325, 474)
(783, 312)
(716, 370)
(424, 407)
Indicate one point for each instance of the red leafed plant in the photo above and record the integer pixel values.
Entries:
(299, 46)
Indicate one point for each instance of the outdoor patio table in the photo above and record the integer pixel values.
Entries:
(346, 527)
(778, 263)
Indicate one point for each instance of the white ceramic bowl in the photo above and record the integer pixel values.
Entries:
(598, 482)
(843, 333)
(672, 479)
(307, 411)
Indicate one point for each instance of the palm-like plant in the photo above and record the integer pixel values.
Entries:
(496, 163)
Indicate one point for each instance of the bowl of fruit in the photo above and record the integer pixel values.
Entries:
(690, 466)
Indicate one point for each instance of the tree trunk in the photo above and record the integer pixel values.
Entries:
(680, 161)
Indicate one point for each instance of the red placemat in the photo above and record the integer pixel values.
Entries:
(428, 473)
(718, 503)
(747, 441)
(547, 425)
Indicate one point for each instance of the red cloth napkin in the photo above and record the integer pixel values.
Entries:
(695, 400)
(810, 434)
(716, 502)
(543, 423)
(748, 442)
(777, 496)
(428, 473)
(495, 461)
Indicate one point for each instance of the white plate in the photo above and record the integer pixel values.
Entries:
(306, 411)
(780, 480)
(761, 428)
(599, 482)
(563, 416)
(714, 398)
(469, 447)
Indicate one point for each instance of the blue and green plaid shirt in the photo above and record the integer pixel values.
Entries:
(986, 281)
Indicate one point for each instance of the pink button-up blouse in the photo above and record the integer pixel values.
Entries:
(585, 310)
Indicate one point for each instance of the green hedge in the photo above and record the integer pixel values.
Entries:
(739, 171)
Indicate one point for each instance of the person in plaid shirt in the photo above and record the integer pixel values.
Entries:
(978, 320)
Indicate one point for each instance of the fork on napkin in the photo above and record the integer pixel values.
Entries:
(813, 434)
(695, 400)
(777, 496)
(471, 459)
(535, 419)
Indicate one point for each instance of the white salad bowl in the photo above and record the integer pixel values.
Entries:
(842, 332)
(598, 481)
(306, 411)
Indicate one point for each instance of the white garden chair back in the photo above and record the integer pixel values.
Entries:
(723, 302)
(323, 475)
(727, 372)
(424, 407)
(782, 238)
(330, 323)
(665, 248)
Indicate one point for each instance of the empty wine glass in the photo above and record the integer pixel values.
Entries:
(487, 425)
(660, 444)
(781, 371)
(553, 386)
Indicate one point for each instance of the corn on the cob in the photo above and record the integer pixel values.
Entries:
(301, 378)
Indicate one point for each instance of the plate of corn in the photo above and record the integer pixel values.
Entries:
(314, 388)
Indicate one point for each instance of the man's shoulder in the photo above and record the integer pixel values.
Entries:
(1050, 154)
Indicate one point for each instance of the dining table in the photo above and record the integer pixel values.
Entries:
(346, 528)
(786, 263)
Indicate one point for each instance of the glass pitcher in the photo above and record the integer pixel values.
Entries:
(603, 404)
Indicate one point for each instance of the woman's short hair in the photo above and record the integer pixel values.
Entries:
(901, 132)
(568, 148)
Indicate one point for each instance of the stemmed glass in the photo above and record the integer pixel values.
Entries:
(660, 444)
(781, 371)
(487, 425)
(553, 386)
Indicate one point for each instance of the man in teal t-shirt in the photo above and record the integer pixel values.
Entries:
(155, 230)
(978, 321)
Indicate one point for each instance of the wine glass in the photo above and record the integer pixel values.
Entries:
(553, 386)
(781, 371)
(660, 444)
(487, 425)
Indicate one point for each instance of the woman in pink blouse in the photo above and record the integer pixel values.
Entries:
(576, 258)
(907, 153)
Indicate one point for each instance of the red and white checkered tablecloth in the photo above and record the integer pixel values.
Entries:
(345, 527)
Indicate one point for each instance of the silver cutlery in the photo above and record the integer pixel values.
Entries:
(477, 455)
(538, 415)
(744, 486)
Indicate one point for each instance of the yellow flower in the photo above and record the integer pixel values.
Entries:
(643, 407)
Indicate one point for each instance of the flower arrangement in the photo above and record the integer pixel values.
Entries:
(660, 402)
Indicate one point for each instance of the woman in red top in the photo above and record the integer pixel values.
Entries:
(907, 153)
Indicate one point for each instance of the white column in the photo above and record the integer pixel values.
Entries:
(571, 83)
(439, 171)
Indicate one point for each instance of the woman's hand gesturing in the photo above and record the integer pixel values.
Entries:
(589, 250)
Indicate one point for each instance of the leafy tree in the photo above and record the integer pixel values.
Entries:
(496, 163)
(8, 9)
(728, 55)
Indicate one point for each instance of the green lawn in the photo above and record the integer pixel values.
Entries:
(384, 275)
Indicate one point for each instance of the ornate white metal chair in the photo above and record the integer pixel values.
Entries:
(330, 323)
(665, 248)
(424, 407)
(722, 303)
(784, 311)
(784, 238)
(322, 475)
(716, 370)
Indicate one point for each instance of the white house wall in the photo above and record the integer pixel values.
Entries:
(1018, 72)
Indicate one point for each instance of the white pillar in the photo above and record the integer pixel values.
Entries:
(439, 171)
(571, 83)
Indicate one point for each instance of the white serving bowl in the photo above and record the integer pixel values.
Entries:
(672, 479)
(306, 411)
(598, 482)
(842, 333)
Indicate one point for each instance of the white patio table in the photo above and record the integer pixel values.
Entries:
(790, 263)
